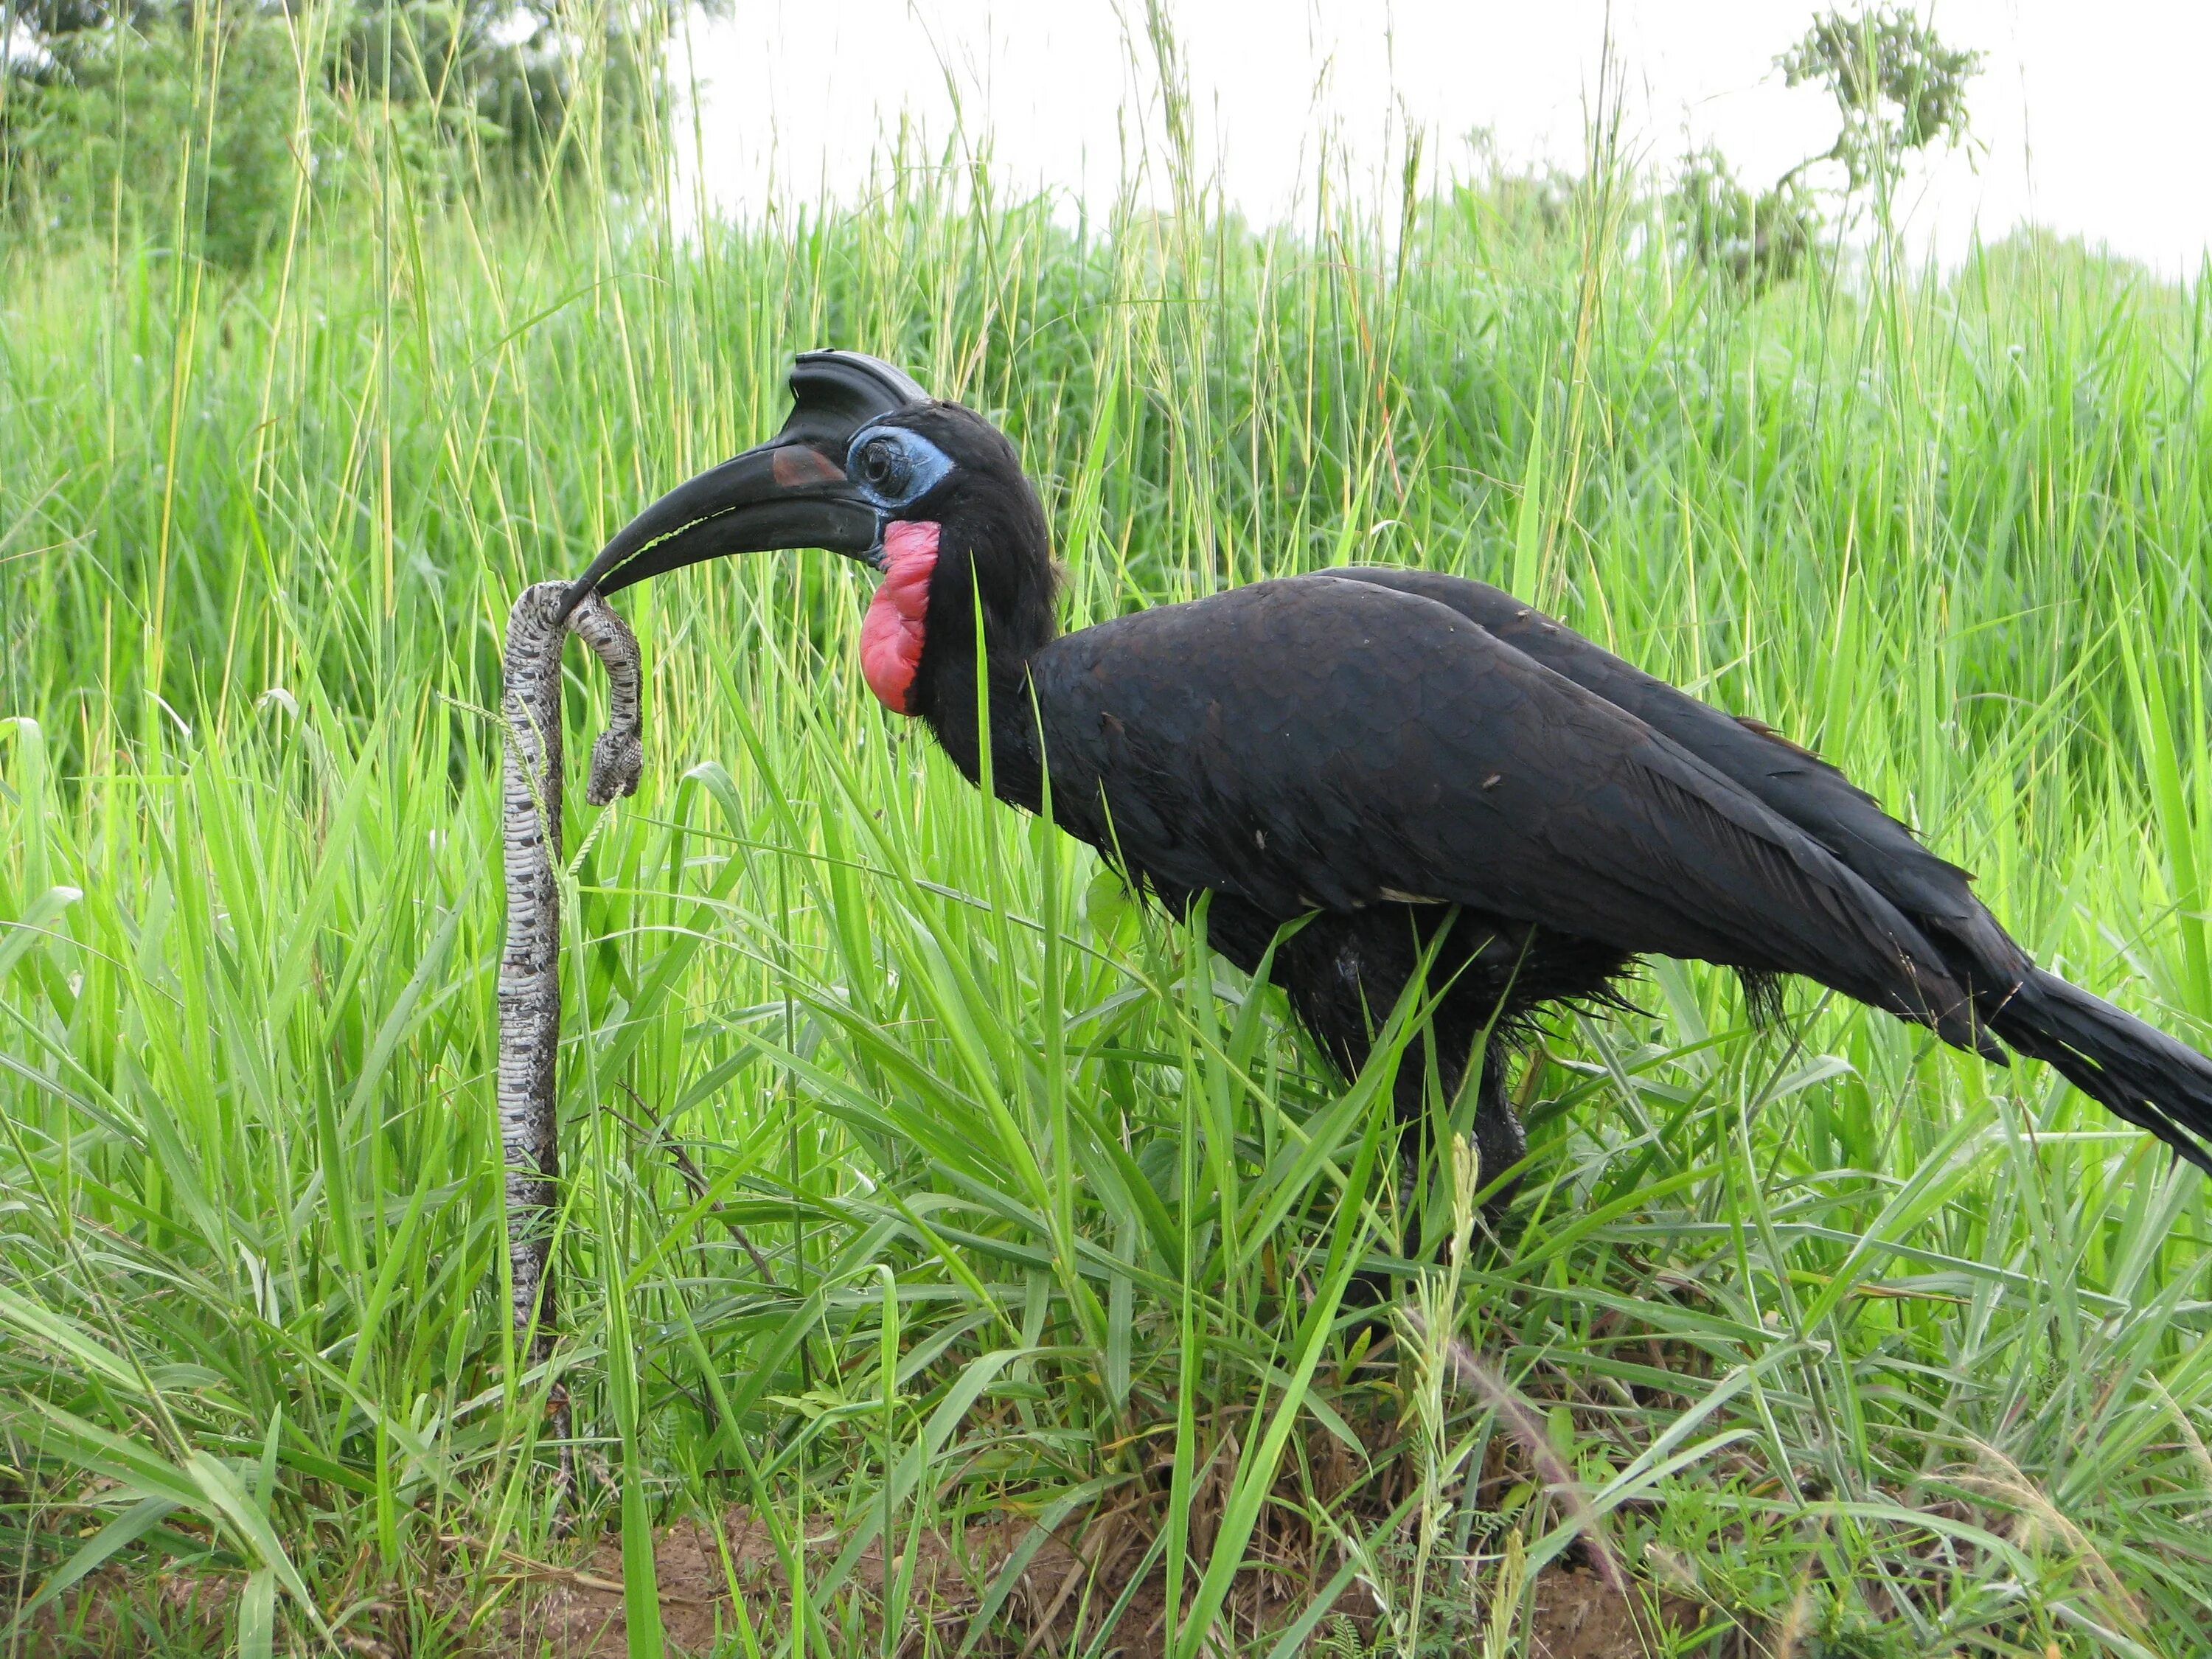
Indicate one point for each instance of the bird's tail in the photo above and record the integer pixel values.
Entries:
(2141, 1074)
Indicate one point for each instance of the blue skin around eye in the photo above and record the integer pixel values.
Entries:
(926, 465)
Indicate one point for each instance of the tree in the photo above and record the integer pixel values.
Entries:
(1897, 88)
(1896, 85)
(508, 76)
(98, 98)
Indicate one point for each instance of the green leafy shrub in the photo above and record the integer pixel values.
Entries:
(521, 91)
(1759, 240)
(199, 137)
(208, 132)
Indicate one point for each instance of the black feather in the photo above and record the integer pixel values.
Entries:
(1417, 764)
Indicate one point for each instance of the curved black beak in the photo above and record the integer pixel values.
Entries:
(791, 491)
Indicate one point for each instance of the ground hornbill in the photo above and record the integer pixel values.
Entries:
(1390, 755)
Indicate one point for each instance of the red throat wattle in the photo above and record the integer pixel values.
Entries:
(891, 637)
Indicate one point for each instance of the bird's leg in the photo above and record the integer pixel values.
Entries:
(529, 964)
(1500, 1142)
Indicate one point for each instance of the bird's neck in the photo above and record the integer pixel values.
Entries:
(961, 693)
(1005, 704)
(948, 589)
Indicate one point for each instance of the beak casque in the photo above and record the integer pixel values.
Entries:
(791, 491)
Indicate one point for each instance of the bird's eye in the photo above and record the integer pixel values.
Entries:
(895, 467)
(884, 467)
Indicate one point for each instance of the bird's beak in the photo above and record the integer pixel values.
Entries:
(791, 491)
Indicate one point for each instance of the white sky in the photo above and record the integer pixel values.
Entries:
(2088, 114)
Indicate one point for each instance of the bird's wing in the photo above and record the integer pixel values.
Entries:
(1793, 781)
(1318, 743)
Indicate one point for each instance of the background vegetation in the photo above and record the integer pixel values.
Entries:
(918, 1180)
(215, 128)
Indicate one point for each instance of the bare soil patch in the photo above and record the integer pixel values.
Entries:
(1061, 1597)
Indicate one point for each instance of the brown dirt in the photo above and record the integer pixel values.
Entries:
(577, 1614)
(575, 1611)
(1578, 1617)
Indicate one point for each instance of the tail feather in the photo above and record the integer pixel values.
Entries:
(2140, 1073)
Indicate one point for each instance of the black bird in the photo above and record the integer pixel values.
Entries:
(1404, 761)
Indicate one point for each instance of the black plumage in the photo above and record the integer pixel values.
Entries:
(1397, 760)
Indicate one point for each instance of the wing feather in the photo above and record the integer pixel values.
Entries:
(1315, 742)
(1793, 781)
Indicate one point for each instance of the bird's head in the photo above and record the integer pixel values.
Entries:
(869, 466)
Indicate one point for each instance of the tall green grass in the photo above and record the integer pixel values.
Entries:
(999, 1197)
